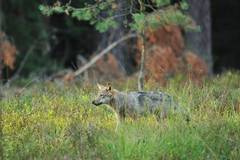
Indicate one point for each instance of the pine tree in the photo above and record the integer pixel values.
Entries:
(136, 15)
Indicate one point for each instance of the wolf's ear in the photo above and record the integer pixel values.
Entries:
(100, 87)
(109, 87)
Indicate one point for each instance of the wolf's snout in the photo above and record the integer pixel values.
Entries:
(96, 103)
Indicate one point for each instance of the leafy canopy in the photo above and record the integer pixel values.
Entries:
(136, 14)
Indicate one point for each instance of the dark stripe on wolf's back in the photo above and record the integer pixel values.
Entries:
(141, 99)
(153, 96)
(141, 93)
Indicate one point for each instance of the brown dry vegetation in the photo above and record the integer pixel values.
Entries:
(166, 56)
(168, 36)
(195, 67)
(7, 51)
(106, 68)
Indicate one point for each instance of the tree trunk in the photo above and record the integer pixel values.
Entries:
(1, 120)
(200, 42)
(123, 51)
(1, 23)
(142, 65)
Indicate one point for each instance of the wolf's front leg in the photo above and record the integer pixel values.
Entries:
(122, 115)
(160, 115)
(163, 115)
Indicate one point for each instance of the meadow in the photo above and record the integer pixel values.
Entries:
(52, 121)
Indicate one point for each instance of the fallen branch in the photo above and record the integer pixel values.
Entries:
(102, 53)
(21, 66)
(30, 50)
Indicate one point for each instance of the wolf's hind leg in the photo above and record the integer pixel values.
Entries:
(160, 116)
(163, 115)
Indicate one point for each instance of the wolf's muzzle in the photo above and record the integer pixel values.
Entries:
(96, 103)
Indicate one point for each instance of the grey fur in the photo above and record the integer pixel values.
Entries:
(137, 103)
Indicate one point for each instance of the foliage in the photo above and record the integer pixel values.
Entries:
(23, 22)
(40, 66)
(47, 121)
(162, 2)
(24, 25)
(104, 14)
(7, 52)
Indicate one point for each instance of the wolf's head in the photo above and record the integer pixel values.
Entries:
(105, 95)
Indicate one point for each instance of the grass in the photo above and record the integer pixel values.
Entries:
(48, 121)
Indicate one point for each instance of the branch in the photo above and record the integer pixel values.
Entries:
(16, 75)
(23, 62)
(102, 53)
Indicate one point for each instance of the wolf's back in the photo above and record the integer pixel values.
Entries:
(149, 99)
(155, 100)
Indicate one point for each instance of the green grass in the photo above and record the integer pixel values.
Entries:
(48, 121)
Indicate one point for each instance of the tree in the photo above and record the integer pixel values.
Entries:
(135, 15)
(0, 32)
(7, 49)
(200, 42)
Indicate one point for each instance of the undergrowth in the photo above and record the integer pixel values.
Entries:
(50, 121)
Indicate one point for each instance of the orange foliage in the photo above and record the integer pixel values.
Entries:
(69, 77)
(165, 56)
(7, 51)
(168, 36)
(105, 69)
(108, 68)
(160, 63)
(196, 67)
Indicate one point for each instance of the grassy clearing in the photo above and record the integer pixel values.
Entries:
(48, 121)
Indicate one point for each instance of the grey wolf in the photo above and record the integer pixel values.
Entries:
(136, 103)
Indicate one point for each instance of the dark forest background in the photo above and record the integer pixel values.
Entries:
(34, 45)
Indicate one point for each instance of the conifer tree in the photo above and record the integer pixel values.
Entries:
(138, 16)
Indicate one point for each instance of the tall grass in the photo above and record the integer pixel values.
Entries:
(48, 121)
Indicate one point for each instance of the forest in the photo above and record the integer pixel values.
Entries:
(61, 60)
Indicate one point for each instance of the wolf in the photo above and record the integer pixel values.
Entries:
(137, 103)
